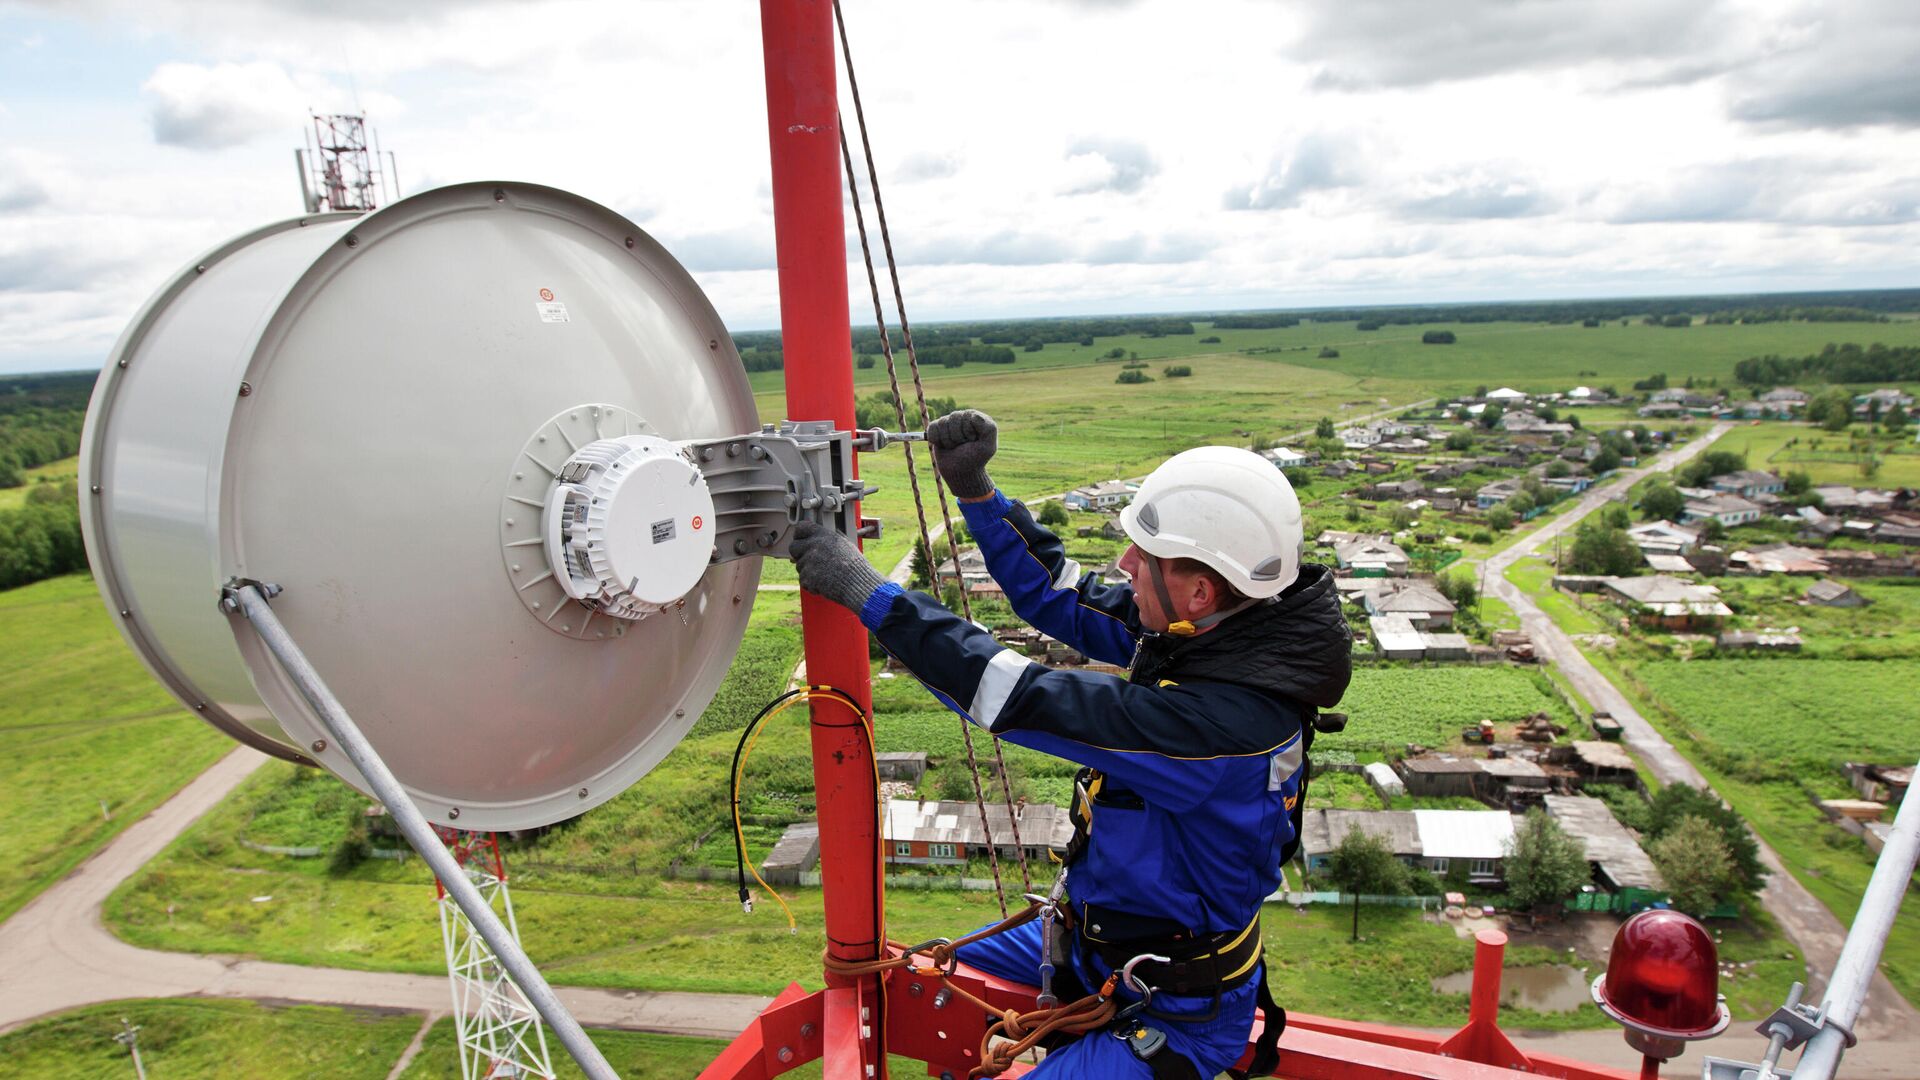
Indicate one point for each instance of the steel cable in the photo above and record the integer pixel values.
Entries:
(926, 418)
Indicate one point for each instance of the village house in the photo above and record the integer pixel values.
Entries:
(1392, 490)
(1429, 839)
(1783, 402)
(1407, 444)
(1843, 501)
(1491, 495)
(1748, 483)
(1877, 403)
(907, 765)
(1106, 495)
(1728, 510)
(1506, 395)
(1358, 438)
(972, 571)
(1778, 559)
(1617, 859)
(1501, 781)
(1416, 599)
(1882, 783)
(1834, 594)
(1371, 556)
(1285, 458)
(944, 833)
(1339, 469)
(1663, 537)
(1669, 602)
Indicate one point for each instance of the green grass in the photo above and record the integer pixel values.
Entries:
(1889, 626)
(1827, 457)
(51, 473)
(1534, 576)
(1388, 707)
(1769, 736)
(81, 724)
(187, 1037)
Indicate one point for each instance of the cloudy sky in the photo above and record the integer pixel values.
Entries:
(1039, 156)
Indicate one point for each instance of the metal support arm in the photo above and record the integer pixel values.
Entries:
(250, 599)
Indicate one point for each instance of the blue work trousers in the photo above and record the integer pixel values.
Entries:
(1212, 1045)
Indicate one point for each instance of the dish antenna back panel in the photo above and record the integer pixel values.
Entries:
(371, 412)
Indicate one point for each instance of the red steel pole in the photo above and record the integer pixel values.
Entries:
(816, 336)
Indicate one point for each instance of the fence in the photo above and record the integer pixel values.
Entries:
(1424, 903)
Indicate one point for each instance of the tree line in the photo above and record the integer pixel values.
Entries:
(1849, 363)
(42, 538)
(40, 420)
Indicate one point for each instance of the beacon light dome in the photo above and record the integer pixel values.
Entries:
(1662, 983)
(369, 412)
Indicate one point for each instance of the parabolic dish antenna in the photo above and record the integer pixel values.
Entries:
(403, 420)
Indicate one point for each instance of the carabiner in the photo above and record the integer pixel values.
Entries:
(1138, 987)
(953, 960)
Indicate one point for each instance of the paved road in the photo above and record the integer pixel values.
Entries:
(1803, 918)
(59, 955)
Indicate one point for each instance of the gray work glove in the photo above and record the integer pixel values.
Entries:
(963, 442)
(830, 565)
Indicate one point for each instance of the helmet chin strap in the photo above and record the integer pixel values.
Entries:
(1184, 627)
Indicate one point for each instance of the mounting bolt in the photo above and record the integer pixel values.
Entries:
(499, 194)
(583, 793)
(736, 600)
(807, 1031)
(713, 343)
(785, 1053)
(96, 489)
(679, 713)
(200, 269)
(629, 243)
(319, 746)
(352, 240)
(246, 389)
(125, 613)
(453, 814)
(940, 999)
(200, 706)
(915, 990)
(123, 363)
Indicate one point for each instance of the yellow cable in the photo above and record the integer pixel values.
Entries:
(739, 831)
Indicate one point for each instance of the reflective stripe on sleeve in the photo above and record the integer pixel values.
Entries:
(996, 686)
(1068, 575)
(1286, 762)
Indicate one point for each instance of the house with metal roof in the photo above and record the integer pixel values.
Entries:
(1617, 858)
(1834, 594)
(1432, 839)
(947, 833)
(1418, 600)
(1728, 510)
(1371, 556)
(1669, 601)
(1748, 483)
(1106, 495)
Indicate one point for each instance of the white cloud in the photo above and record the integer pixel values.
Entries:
(1037, 158)
(224, 105)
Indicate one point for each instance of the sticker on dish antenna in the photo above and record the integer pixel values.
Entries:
(549, 309)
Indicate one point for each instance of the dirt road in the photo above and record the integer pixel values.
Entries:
(59, 955)
(1818, 933)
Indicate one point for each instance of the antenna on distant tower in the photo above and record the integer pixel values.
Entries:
(340, 171)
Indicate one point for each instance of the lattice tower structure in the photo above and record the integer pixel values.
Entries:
(341, 169)
(500, 1034)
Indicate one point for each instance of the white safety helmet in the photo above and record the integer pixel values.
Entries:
(1229, 508)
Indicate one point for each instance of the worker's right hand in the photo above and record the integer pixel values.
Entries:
(963, 442)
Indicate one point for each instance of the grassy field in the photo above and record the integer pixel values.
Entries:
(1534, 576)
(1888, 627)
(188, 1038)
(1391, 706)
(1769, 736)
(1827, 457)
(51, 473)
(88, 741)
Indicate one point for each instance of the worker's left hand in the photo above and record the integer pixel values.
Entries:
(831, 565)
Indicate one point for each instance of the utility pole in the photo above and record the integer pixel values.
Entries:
(129, 1037)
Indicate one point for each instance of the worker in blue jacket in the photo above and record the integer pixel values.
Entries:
(1191, 791)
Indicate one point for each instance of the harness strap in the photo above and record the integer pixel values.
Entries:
(1197, 966)
(1266, 1049)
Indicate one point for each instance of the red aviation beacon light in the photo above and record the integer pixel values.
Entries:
(1662, 984)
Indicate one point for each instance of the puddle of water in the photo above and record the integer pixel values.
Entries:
(1547, 988)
